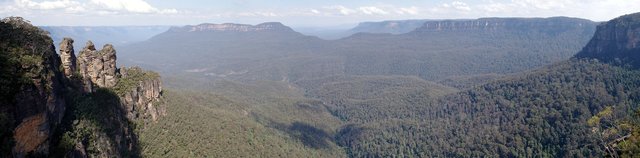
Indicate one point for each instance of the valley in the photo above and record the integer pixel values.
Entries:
(486, 87)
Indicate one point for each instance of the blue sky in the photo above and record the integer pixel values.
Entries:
(298, 13)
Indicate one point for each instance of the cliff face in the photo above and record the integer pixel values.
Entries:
(31, 103)
(616, 41)
(141, 96)
(62, 106)
(229, 27)
(547, 25)
(98, 67)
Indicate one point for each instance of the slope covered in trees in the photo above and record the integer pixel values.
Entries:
(451, 88)
(542, 113)
(459, 47)
(574, 108)
(261, 121)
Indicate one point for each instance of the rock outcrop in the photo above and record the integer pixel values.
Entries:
(138, 90)
(140, 101)
(98, 67)
(68, 57)
(616, 41)
(32, 103)
(56, 105)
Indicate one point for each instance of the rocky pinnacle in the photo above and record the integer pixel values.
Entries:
(68, 57)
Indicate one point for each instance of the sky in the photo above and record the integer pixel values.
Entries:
(300, 13)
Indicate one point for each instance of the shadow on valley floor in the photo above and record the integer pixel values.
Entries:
(309, 135)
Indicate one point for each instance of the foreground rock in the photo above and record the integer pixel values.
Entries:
(55, 106)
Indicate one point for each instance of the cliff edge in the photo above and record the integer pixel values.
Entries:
(616, 41)
(66, 106)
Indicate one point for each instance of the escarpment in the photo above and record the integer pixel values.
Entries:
(32, 103)
(125, 96)
(616, 41)
(140, 91)
(66, 106)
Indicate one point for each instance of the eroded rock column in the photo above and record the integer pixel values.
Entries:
(68, 57)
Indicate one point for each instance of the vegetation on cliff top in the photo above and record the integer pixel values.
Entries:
(134, 76)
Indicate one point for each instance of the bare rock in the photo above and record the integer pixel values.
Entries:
(98, 67)
(109, 65)
(68, 57)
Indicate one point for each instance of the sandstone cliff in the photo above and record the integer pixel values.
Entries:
(616, 41)
(552, 25)
(229, 27)
(98, 67)
(139, 92)
(68, 57)
(31, 102)
(55, 106)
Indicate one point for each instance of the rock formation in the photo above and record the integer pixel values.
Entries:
(616, 41)
(98, 67)
(68, 57)
(139, 90)
(140, 101)
(32, 103)
(40, 88)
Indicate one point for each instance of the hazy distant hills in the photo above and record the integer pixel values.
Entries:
(512, 99)
(100, 35)
(573, 108)
(391, 26)
(437, 50)
(225, 47)
(488, 87)
(440, 49)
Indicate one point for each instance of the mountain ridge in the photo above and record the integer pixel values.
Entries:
(232, 27)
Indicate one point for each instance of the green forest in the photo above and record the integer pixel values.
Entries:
(513, 87)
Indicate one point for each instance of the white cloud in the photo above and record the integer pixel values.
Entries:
(55, 11)
(46, 5)
(543, 4)
(598, 10)
(410, 10)
(496, 7)
(133, 6)
(457, 5)
(315, 11)
(100, 7)
(369, 10)
(257, 14)
(341, 9)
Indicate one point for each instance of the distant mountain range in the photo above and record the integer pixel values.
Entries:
(392, 26)
(436, 50)
(100, 35)
(488, 87)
